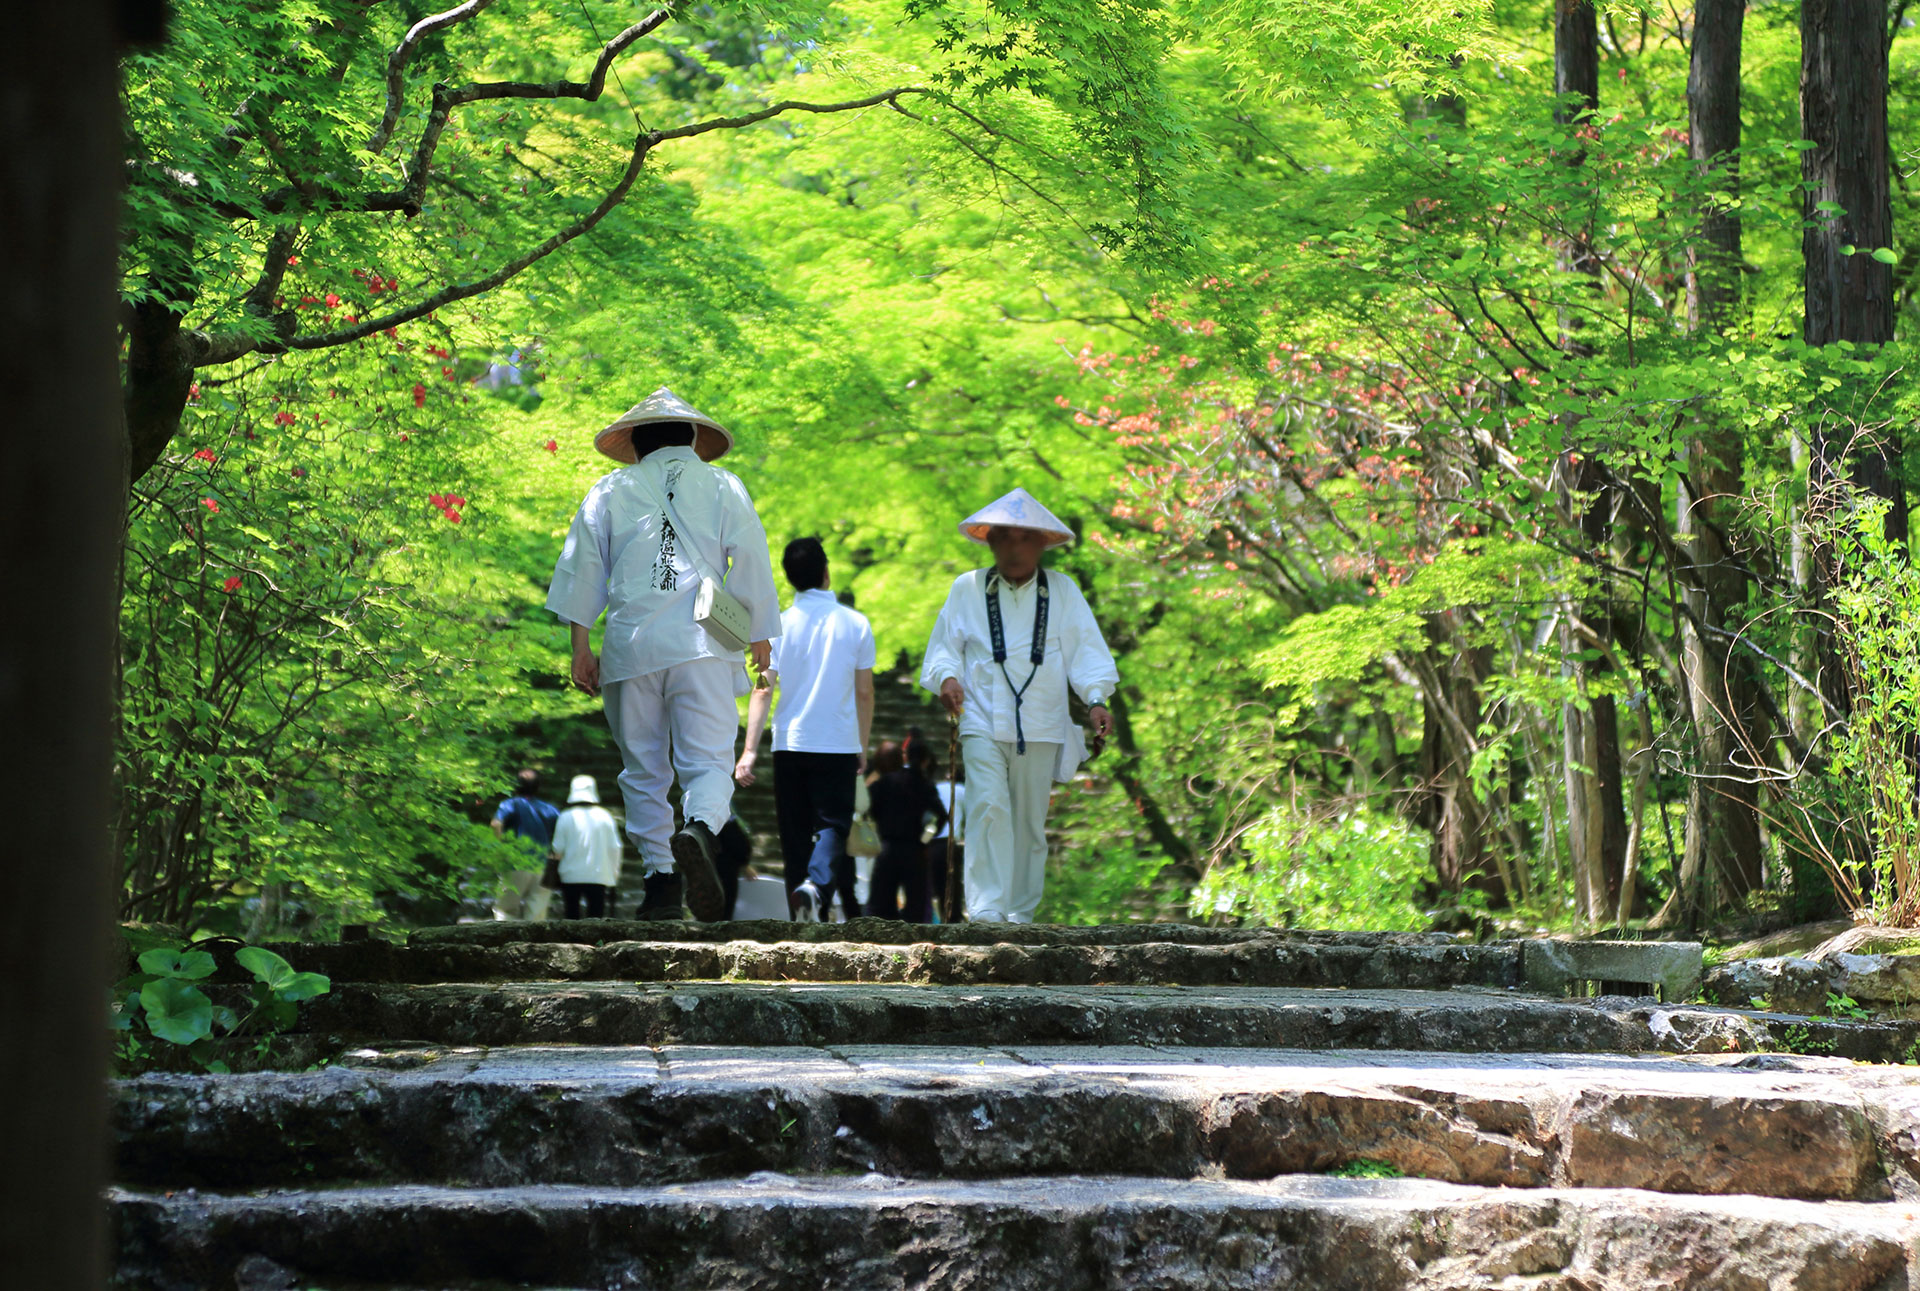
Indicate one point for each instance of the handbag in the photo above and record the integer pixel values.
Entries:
(550, 877)
(722, 615)
(863, 839)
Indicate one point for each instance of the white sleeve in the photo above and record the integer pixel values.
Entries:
(1090, 667)
(863, 654)
(578, 592)
(563, 831)
(942, 659)
(750, 569)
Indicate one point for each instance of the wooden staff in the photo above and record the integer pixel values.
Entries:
(952, 912)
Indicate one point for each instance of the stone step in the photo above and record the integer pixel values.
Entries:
(1267, 961)
(893, 932)
(1464, 1020)
(1776, 1126)
(1059, 1234)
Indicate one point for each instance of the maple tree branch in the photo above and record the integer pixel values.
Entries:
(403, 54)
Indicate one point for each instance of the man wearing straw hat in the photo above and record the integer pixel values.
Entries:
(651, 544)
(1007, 645)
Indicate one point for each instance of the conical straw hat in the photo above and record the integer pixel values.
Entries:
(711, 440)
(1017, 510)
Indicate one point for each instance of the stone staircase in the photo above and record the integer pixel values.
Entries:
(599, 1104)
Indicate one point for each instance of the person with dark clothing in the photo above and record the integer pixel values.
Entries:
(734, 853)
(531, 818)
(901, 801)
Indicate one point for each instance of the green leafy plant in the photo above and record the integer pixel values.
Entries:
(162, 1008)
(1845, 1006)
(1294, 869)
(1367, 1168)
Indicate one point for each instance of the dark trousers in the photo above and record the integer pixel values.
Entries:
(813, 797)
(901, 866)
(846, 882)
(595, 893)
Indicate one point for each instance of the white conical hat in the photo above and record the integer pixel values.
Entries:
(1017, 510)
(583, 790)
(711, 440)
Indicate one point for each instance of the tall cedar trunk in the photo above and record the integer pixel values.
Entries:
(1848, 297)
(1722, 829)
(1843, 111)
(60, 499)
(1597, 830)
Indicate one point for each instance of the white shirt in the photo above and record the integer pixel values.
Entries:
(622, 556)
(822, 644)
(588, 843)
(953, 796)
(962, 646)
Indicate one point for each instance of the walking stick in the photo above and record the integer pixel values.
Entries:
(952, 912)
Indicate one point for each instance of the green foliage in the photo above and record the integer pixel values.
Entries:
(161, 1016)
(1273, 301)
(1358, 871)
(1875, 765)
(1367, 1168)
(1844, 1006)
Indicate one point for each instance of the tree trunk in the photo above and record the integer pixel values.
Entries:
(59, 520)
(1450, 677)
(1722, 829)
(1848, 296)
(1596, 824)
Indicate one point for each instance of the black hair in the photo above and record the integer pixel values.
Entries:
(661, 434)
(527, 783)
(805, 561)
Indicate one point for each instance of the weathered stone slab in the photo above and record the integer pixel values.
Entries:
(769, 1233)
(895, 932)
(1267, 961)
(1784, 985)
(632, 1116)
(1467, 1021)
(1551, 965)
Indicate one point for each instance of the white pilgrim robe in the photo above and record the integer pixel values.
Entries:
(668, 690)
(1008, 792)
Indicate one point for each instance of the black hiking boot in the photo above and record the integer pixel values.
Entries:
(662, 900)
(693, 853)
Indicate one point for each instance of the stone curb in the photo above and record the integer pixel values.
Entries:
(773, 1233)
(1553, 966)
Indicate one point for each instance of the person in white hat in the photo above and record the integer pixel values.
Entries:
(643, 542)
(587, 844)
(1007, 645)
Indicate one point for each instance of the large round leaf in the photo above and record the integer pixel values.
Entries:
(176, 1011)
(186, 965)
(278, 976)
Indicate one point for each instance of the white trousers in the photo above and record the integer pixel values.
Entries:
(523, 898)
(1006, 827)
(680, 720)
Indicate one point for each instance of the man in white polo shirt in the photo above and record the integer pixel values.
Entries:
(823, 666)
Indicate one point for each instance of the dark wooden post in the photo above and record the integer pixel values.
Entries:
(61, 492)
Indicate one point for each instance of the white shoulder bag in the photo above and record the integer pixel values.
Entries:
(725, 618)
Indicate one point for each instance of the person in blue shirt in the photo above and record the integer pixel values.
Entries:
(531, 818)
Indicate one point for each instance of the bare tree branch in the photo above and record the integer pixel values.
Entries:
(787, 105)
(403, 54)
